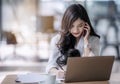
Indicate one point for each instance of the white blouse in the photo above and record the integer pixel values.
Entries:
(94, 43)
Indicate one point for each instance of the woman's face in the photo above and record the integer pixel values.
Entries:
(77, 28)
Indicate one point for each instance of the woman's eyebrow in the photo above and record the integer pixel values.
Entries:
(80, 23)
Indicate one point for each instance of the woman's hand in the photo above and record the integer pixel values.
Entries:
(87, 48)
(60, 74)
(87, 29)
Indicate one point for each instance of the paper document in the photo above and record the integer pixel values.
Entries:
(31, 78)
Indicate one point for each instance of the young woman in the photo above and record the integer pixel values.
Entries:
(76, 34)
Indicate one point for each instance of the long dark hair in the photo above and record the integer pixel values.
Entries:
(67, 40)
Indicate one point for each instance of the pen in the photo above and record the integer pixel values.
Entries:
(61, 68)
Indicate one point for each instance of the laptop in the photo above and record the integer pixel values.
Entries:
(82, 69)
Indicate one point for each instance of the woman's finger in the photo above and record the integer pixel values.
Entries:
(61, 74)
(87, 26)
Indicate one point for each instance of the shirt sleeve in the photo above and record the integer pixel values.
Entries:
(95, 47)
(54, 54)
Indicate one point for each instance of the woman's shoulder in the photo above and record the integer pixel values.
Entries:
(56, 37)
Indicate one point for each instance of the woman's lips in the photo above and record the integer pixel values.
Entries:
(76, 33)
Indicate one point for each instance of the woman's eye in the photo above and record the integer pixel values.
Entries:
(80, 25)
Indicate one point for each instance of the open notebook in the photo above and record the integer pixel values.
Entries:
(36, 77)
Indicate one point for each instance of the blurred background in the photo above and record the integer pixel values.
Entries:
(27, 26)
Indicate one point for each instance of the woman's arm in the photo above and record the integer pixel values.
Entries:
(95, 46)
(52, 66)
(53, 70)
(92, 48)
(87, 48)
(53, 55)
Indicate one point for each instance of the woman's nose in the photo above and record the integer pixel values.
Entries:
(75, 29)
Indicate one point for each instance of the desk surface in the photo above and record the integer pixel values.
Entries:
(10, 79)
